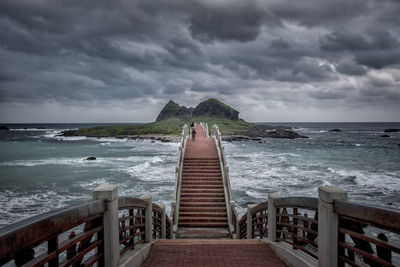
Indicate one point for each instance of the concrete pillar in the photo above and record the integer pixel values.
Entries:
(272, 216)
(328, 223)
(163, 222)
(149, 217)
(250, 221)
(109, 193)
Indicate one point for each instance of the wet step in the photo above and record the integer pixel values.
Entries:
(205, 170)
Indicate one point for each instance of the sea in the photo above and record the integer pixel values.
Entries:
(41, 171)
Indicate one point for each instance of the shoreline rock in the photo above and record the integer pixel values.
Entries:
(391, 130)
(4, 128)
(153, 137)
(335, 130)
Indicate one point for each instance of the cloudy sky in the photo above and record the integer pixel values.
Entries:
(273, 60)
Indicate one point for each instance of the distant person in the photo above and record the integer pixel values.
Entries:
(193, 129)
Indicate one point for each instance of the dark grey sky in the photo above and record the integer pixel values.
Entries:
(273, 60)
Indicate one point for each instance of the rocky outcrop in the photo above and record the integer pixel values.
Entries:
(215, 108)
(335, 130)
(385, 136)
(174, 110)
(91, 158)
(169, 111)
(391, 130)
(4, 128)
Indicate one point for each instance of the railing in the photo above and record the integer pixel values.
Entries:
(358, 225)
(293, 225)
(72, 236)
(132, 223)
(230, 204)
(178, 181)
(97, 232)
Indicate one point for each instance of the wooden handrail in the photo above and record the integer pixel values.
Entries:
(20, 238)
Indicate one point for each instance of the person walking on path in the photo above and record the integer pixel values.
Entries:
(192, 127)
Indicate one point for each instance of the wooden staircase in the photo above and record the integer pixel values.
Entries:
(202, 200)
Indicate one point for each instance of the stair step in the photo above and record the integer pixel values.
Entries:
(212, 195)
(201, 171)
(201, 166)
(204, 224)
(200, 174)
(193, 209)
(201, 190)
(202, 182)
(204, 179)
(203, 199)
(202, 219)
(202, 214)
(201, 204)
(201, 186)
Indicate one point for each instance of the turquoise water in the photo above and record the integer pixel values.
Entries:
(40, 171)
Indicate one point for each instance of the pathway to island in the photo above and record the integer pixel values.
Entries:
(202, 206)
(202, 214)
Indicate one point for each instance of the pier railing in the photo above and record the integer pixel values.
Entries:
(178, 181)
(97, 232)
(330, 229)
(230, 204)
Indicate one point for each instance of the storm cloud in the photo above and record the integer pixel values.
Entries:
(123, 60)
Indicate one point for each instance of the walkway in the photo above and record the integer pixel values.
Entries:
(202, 210)
(221, 253)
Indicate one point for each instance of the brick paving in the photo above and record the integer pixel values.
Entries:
(218, 253)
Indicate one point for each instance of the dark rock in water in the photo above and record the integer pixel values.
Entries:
(91, 158)
(40, 128)
(256, 139)
(235, 138)
(284, 134)
(391, 130)
(390, 203)
(385, 135)
(215, 108)
(4, 128)
(335, 130)
(260, 142)
(165, 141)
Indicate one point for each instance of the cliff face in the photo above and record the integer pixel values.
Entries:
(215, 108)
(209, 108)
(173, 110)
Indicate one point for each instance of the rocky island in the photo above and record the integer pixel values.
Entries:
(172, 117)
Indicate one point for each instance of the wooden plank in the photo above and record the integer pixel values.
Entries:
(366, 254)
(36, 230)
(371, 239)
(380, 217)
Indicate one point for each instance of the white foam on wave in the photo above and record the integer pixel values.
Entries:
(18, 205)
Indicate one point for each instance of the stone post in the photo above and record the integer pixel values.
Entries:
(250, 221)
(163, 222)
(149, 217)
(109, 193)
(174, 220)
(272, 216)
(328, 223)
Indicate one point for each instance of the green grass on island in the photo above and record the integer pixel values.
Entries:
(172, 126)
